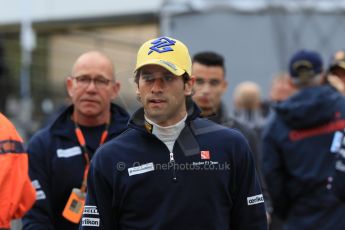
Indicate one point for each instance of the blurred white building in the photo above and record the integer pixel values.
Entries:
(64, 29)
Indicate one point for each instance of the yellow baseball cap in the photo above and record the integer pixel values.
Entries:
(167, 52)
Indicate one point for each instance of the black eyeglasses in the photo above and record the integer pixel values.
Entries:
(84, 81)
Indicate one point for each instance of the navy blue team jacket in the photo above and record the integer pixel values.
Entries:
(210, 184)
(56, 166)
(298, 163)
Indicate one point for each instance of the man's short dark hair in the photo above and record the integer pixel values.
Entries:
(209, 58)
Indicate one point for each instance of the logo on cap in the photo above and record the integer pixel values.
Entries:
(305, 64)
(304, 69)
(161, 45)
(171, 65)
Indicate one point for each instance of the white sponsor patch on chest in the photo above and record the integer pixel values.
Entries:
(141, 169)
(87, 221)
(90, 210)
(70, 152)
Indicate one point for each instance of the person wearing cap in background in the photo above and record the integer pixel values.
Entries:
(17, 195)
(59, 154)
(299, 143)
(171, 169)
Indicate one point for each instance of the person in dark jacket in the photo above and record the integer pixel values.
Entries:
(298, 157)
(208, 69)
(171, 169)
(59, 154)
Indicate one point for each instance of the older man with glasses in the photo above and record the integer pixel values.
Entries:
(59, 155)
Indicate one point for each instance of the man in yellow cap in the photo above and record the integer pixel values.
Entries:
(171, 169)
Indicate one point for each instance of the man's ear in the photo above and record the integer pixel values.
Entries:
(69, 86)
(115, 90)
(138, 94)
(189, 86)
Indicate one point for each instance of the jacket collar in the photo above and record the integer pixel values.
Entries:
(218, 116)
(63, 123)
(186, 139)
(138, 122)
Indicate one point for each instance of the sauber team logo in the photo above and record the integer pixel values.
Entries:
(205, 155)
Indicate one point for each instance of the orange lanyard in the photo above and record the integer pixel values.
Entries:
(82, 143)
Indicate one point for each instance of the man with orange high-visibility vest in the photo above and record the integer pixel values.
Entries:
(17, 194)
